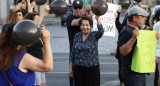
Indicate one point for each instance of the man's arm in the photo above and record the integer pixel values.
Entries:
(75, 22)
(127, 47)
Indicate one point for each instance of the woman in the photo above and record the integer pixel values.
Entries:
(36, 49)
(84, 54)
(18, 65)
(156, 27)
(156, 20)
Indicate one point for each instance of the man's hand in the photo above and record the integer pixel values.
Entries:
(135, 33)
(120, 8)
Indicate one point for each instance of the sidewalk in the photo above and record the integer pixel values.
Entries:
(51, 18)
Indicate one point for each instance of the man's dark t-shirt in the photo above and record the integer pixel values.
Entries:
(72, 30)
(124, 37)
(129, 77)
(36, 50)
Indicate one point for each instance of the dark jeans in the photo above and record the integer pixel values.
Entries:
(119, 70)
(71, 81)
(117, 56)
(87, 76)
(156, 76)
(131, 78)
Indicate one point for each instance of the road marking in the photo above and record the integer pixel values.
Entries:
(111, 83)
(115, 73)
(100, 63)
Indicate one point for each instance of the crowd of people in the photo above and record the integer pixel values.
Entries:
(26, 66)
(19, 63)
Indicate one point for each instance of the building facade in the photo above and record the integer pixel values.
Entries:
(4, 9)
(6, 5)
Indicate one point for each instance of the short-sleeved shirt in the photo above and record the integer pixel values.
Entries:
(72, 30)
(17, 77)
(124, 37)
(85, 53)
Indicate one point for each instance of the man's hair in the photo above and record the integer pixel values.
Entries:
(130, 18)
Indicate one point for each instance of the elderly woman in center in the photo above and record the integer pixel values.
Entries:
(84, 55)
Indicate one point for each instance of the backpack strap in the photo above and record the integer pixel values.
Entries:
(7, 78)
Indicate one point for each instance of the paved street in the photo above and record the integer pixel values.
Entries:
(60, 48)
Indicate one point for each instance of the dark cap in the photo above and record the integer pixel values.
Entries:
(19, 1)
(77, 3)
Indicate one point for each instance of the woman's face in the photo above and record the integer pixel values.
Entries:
(20, 16)
(85, 27)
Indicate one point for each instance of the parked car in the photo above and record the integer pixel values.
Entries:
(65, 16)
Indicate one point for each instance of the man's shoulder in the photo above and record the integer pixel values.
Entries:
(71, 16)
(127, 30)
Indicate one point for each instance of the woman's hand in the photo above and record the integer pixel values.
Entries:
(45, 35)
(70, 71)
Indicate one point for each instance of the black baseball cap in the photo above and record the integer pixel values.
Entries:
(77, 3)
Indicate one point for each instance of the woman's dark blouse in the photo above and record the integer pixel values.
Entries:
(85, 53)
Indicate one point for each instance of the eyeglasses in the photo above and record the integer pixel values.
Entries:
(77, 7)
